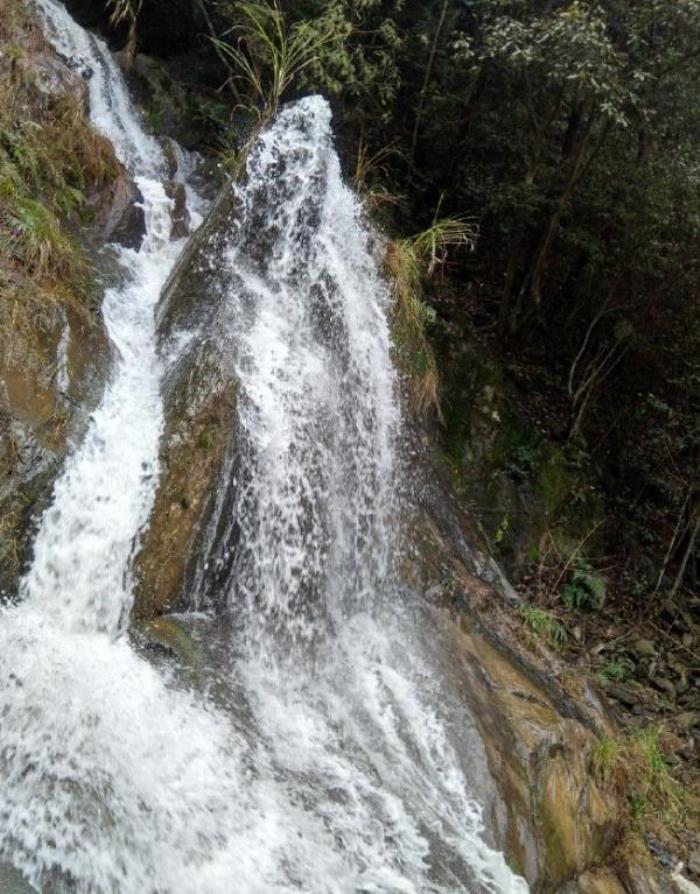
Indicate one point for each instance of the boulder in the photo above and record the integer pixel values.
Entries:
(199, 439)
(179, 214)
(117, 212)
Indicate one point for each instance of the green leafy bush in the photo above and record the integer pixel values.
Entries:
(585, 589)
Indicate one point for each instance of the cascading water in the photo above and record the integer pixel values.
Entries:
(305, 318)
(331, 764)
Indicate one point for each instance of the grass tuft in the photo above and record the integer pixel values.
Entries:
(545, 625)
(267, 55)
(409, 263)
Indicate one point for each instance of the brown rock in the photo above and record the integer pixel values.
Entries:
(600, 881)
(179, 214)
(118, 216)
(200, 409)
(200, 399)
(664, 685)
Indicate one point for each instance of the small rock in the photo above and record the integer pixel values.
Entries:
(645, 647)
(170, 152)
(694, 862)
(684, 885)
(620, 694)
(119, 216)
(664, 685)
(179, 214)
(687, 720)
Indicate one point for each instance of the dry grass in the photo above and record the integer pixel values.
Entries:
(409, 263)
(50, 159)
(411, 318)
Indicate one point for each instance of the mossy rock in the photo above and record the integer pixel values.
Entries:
(200, 392)
(200, 412)
(165, 636)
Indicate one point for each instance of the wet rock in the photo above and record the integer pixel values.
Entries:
(560, 820)
(200, 413)
(170, 151)
(51, 371)
(117, 213)
(179, 214)
(12, 882)
(168, 105)
(200, 398)
(163, 637)
(48, 79)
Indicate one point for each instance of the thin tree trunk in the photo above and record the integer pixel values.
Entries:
(533, 281)
(684, 564)
(674, 538)
(596, 319)
(596, 377)
(426, 82)
(231, 81)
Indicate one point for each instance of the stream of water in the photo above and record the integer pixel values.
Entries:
(326, 752)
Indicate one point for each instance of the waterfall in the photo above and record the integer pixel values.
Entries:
(325, 750)
(305, 316)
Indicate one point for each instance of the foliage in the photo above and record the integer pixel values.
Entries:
(654, 787)
(409, 263)
(584, 588)
(608, 758)
(126, 12)
(544, 624)
(636, 763)
(268, 55)
(613, 670)
(50, 157)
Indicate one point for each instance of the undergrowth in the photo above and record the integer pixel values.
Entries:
(544, 624)
(636, 764)
(409, 263)
(50, 159)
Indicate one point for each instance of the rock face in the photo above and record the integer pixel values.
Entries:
(558, 820)
(117, 214)
(200, 400)
(532, 490)
(50, 377)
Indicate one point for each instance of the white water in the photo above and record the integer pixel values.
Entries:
(330, 763)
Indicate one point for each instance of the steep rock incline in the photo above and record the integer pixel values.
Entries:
(200, 403)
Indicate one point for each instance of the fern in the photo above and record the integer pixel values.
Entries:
(585, 588)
